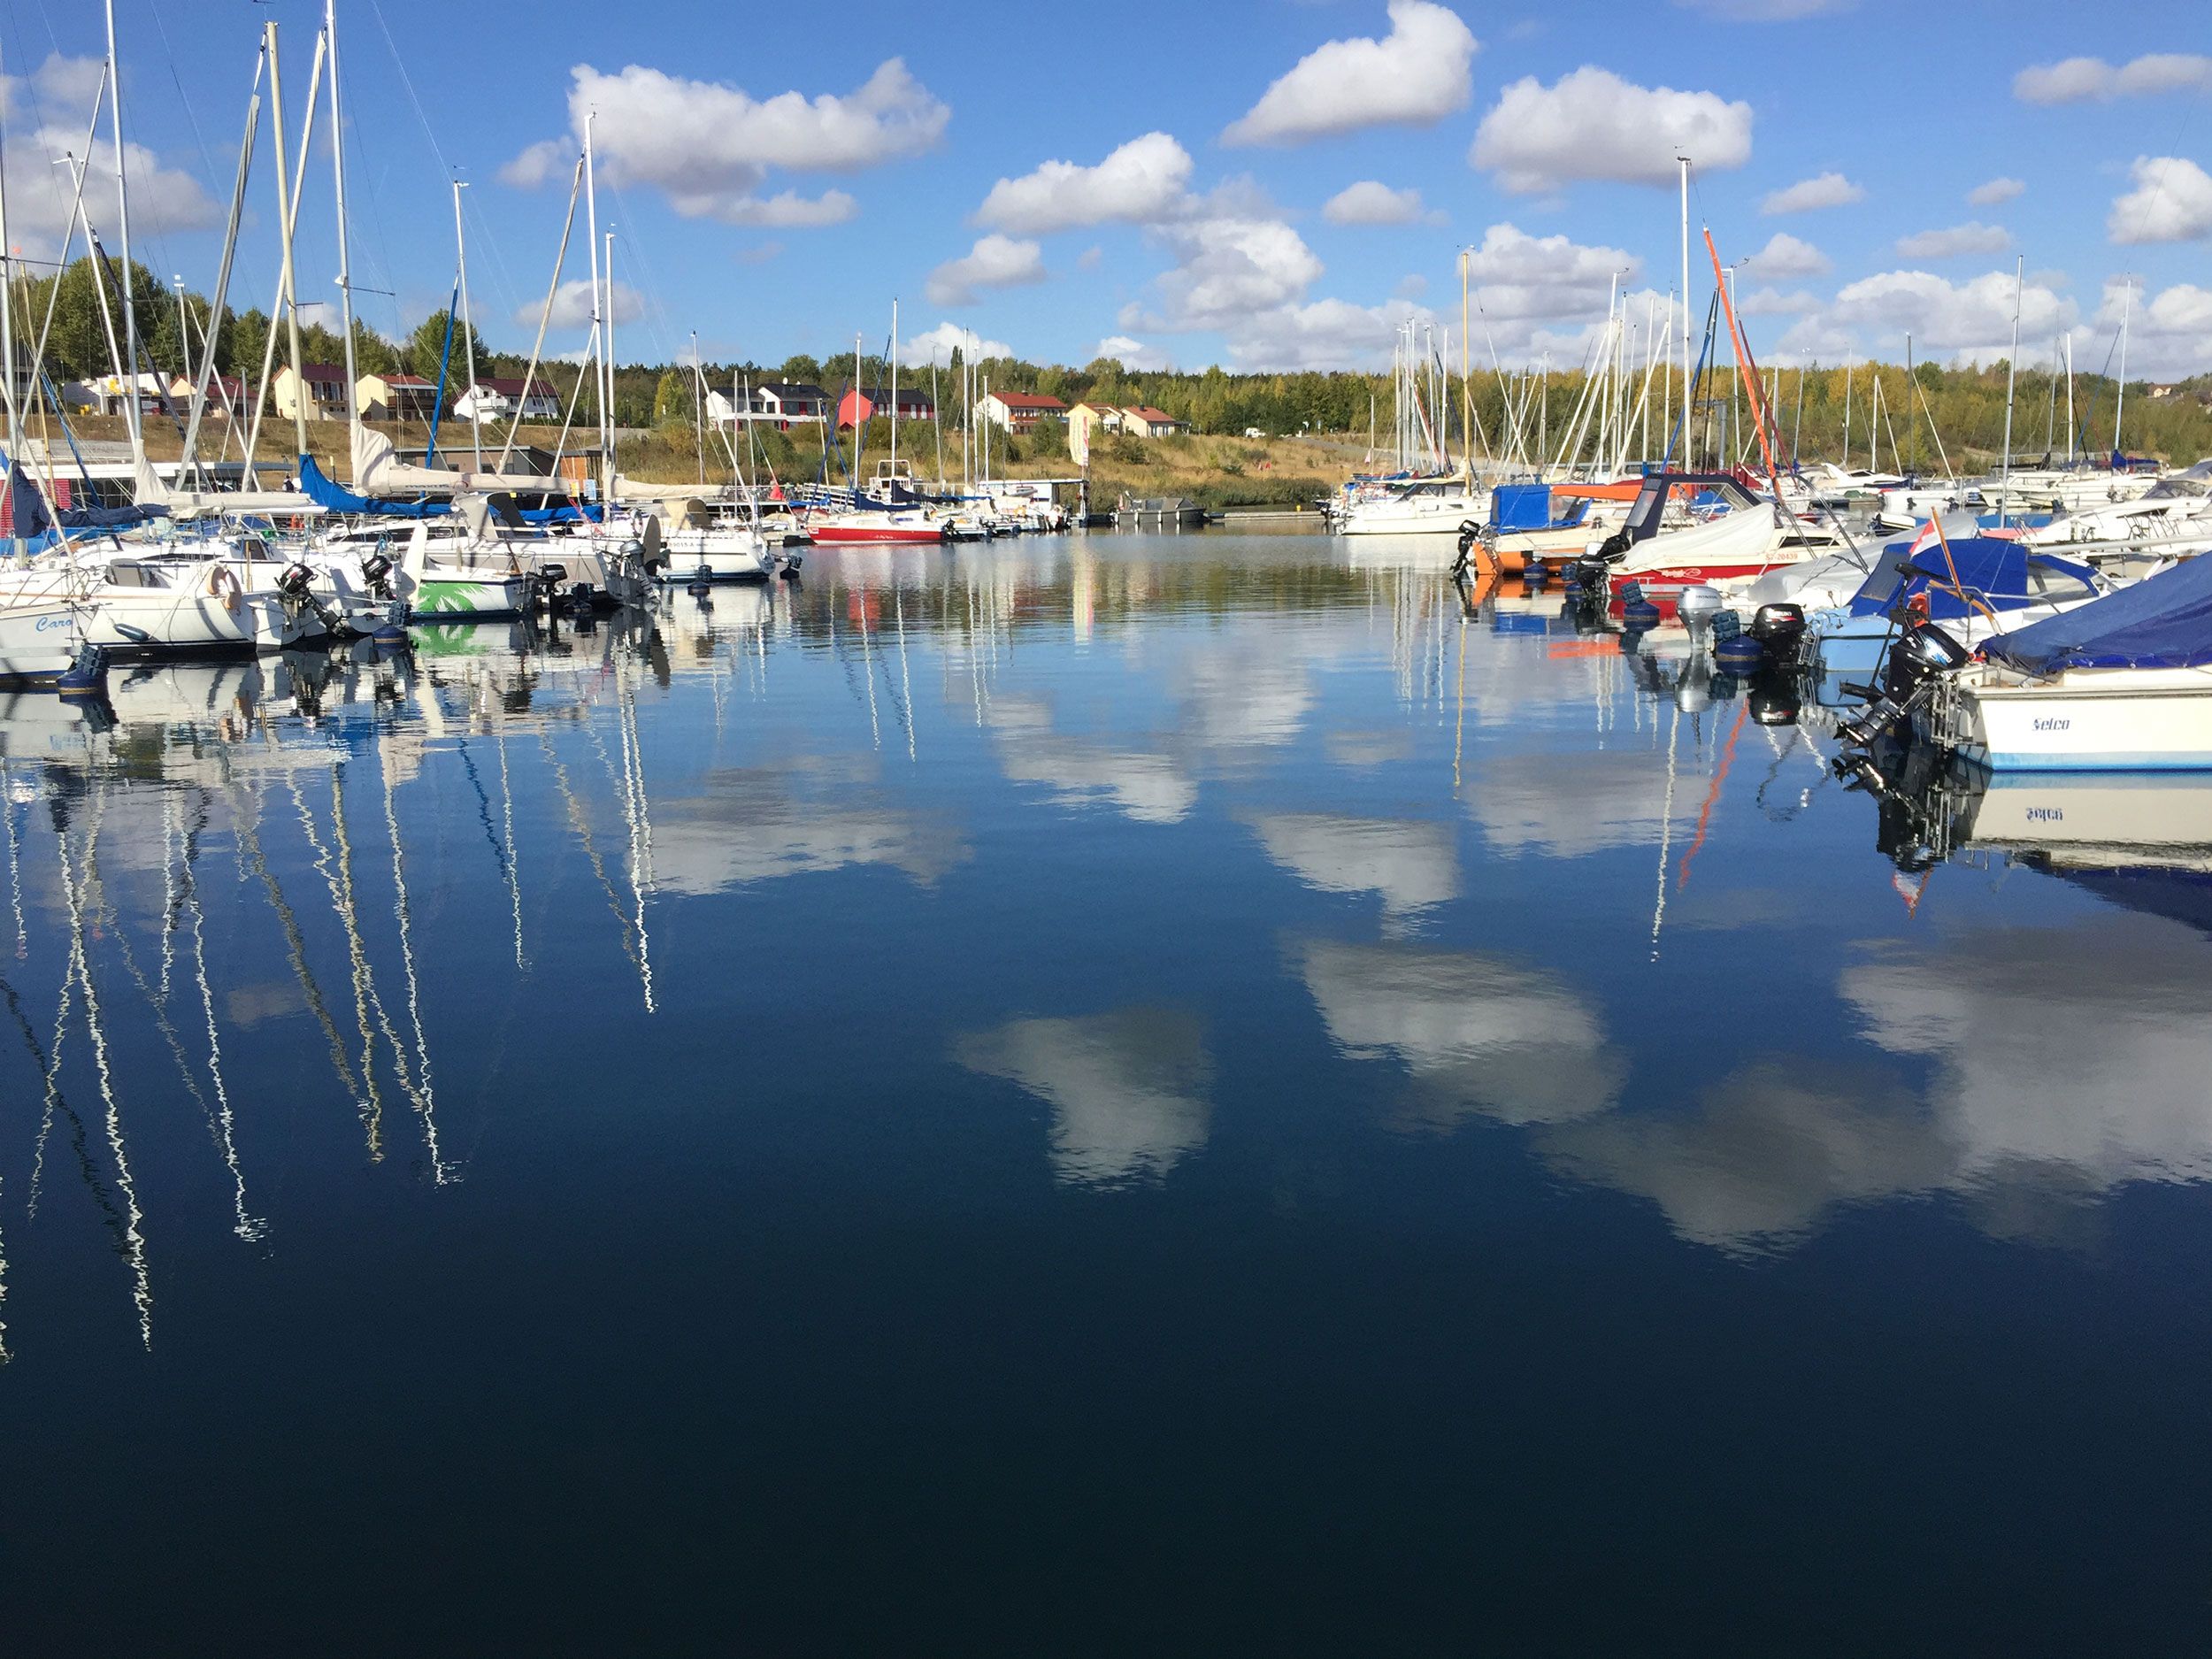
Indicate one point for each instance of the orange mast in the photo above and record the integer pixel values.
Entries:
(1749, 381)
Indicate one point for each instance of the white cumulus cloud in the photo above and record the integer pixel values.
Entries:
(938, 343)
(1827, 189)
(1785, 257)
(1369, 202)
(2082, 79)
(1950, 243)
(1226, 269)
(1143, 181)
(1970, 319)
(1518, 276)
(1419, 73)
(2171, 202)
(1996, 193)
(1594, 125)
(710, 149)
(572, 306)
(2168, 334)
(994, 262)
(1130, 353)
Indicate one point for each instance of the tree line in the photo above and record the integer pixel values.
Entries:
(1955, 410)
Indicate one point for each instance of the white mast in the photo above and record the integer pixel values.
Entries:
(607, 368)
(2127, 306)
(2012, 378)
(2071, 439)
(345, 266)
(7, 321)
(894, 389)
(1685, 160)
(123, 226)
(599, 378)
(699, 405)
(468, 328)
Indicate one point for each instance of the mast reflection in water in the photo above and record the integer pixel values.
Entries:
(1074, 1094)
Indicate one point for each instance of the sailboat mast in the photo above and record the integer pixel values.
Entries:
(894, 389)
(1685, 161)
(123, 228)
(2071, 440)
(345, 264)
(599, 378)
(606, 369)
(2127, 308)
(2012, 375)
(468, 327)
(7, 323)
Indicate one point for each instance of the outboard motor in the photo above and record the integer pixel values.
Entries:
(376, 575)
(1917, 664)
(1697, 605)
(1781, 629)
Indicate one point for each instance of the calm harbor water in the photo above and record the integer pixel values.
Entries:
(1114, 1093)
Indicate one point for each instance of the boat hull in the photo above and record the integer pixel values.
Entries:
(2084, 721)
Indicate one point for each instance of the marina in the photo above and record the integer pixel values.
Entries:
(1517, 965)
(1178, 981)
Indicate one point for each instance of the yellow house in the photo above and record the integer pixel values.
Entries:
(326, 391)
(1086, 421)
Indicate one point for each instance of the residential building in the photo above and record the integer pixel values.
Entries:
(1018, 411)
(225, 392)
(856, 406)
(495, 399)
(398, 397)
(325, 396)
(779, 403)
(1144, 421)
(1087, 422)
(105, 393)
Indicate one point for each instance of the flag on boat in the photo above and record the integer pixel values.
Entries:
(1930, 535)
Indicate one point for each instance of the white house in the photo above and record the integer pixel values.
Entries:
(1018, 411)
(491, 399)
(779, 403)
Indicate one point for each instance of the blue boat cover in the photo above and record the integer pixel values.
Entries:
(1521, 507)
(2164, 621)
(1993, 569)
(333, 497)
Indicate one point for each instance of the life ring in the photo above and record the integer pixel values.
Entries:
(222, 583)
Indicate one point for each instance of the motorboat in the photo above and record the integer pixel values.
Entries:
(1973, 588)
(2123, 684)
(1748, 537)
(1428, 506)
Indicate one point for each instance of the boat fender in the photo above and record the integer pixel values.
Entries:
(222, 583)
(1639, 614)
(1726, 625)
(1739, 655)
(87, 675)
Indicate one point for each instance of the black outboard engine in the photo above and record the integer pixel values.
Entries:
(1917, 663)
(376, 575)
(1781, 629)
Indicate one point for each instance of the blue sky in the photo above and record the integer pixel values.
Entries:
(1162, 176)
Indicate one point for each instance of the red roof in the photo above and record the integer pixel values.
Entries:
(322, 372)
(408, 380)
(1027, 400)
(513, 388)
(1146, 412)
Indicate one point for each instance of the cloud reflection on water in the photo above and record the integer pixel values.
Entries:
(1129, 1090)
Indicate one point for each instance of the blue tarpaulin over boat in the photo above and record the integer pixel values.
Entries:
(2164, 621)
(1999, 573)
(332, 498)
(1521, 507)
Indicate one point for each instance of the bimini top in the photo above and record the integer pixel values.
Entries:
(2164, 621)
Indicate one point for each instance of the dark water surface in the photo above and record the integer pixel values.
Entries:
(1137, 1095)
